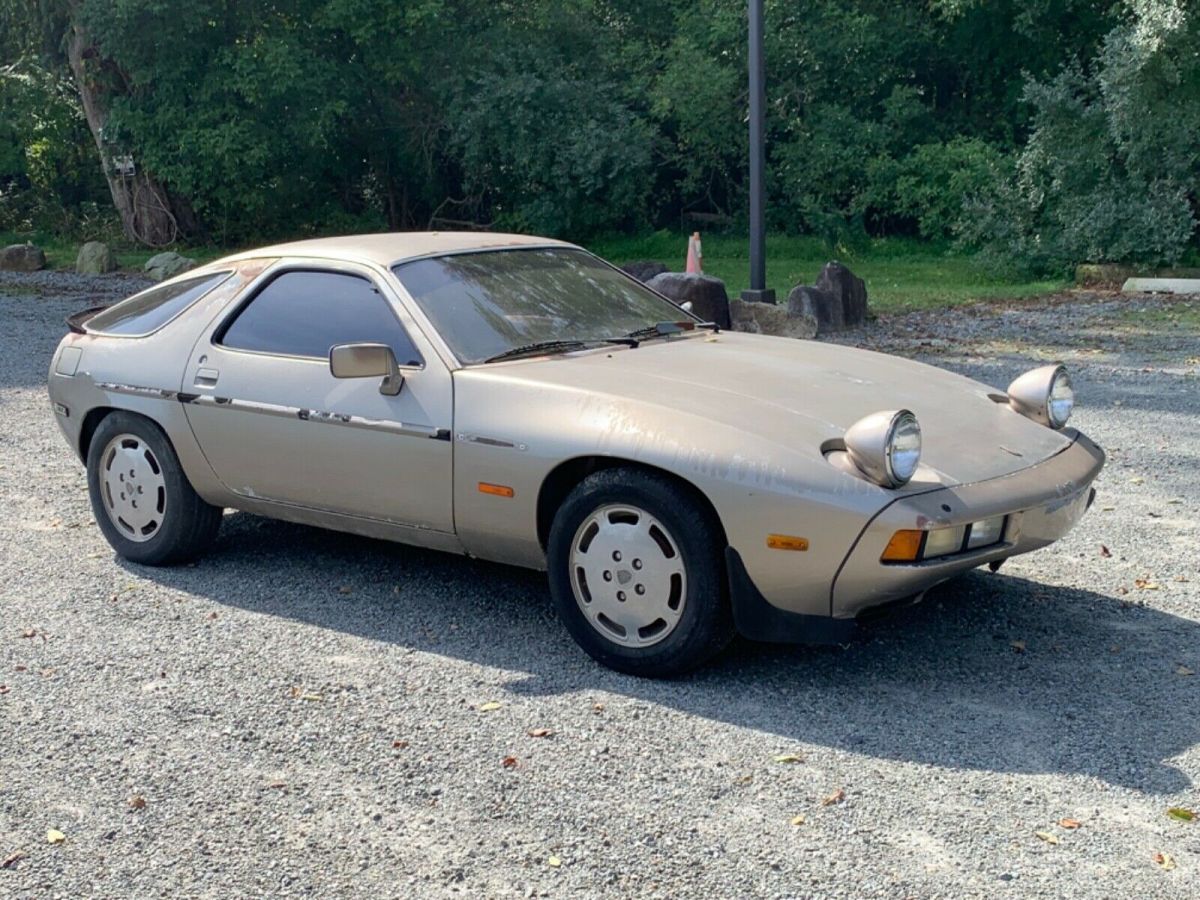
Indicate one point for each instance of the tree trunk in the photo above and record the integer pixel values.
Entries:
(149, 215)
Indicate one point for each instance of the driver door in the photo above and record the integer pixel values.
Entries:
(276, 425)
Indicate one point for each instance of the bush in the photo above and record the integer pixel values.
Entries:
(931, 185)
(1110, 172)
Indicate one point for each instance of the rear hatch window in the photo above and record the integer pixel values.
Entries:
(151, 310)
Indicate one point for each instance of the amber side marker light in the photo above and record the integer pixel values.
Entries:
(905, 546)
(496, 490)
(786, 542)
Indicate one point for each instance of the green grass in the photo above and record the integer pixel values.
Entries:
(900, 273)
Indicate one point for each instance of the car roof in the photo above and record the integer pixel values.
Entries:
(394, 247)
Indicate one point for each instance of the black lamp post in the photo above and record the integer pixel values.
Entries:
(758, 101)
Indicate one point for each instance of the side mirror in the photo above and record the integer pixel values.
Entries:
(367, 361)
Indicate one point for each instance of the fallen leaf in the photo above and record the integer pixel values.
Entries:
(1183, 670)
(789, 758)
(1183, 815)
(509, 762)
(745, 779)
(138, 802)
(278, 784)
(597, 707)
(1146, 584)
(490, 706)
(554, 862)
(1047, 837)
(29, 633)
(836, 797)
(298, 693)
(1105, 552)
(1164, 861)
(540, 732)
(1019, 646)
(797, 820)
(1069, 823)
(54, 836)
(11, 860)
(212, 615)
(399, 745)
(1138, 479)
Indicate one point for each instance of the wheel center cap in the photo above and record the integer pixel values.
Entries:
(624, 576)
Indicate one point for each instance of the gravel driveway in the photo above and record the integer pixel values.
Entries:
(310, 714)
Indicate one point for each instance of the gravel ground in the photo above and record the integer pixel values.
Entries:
(309, 714)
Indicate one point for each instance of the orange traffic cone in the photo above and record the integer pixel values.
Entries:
(695, 258)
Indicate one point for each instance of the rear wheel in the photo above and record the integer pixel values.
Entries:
(636, 574)
(141, 498)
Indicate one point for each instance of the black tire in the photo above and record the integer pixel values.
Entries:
(188, 525)
(705, 625)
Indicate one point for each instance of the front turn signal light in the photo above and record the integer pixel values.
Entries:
(905, 546)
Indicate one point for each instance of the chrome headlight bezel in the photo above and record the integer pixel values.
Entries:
(873, 444)
(1040, 394)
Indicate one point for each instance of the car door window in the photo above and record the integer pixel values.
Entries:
(305, 313)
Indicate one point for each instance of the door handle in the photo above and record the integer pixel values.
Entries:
(207, 377)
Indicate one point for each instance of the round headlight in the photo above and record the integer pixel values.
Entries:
(904, 448)
(886, 447)
(1044, 395)
(1062, 399)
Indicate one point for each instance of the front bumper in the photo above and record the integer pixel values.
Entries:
(1042, 503)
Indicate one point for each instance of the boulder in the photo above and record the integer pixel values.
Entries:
(772, 319)
(168, 265)
(1102, 274)
(95, 258)
(22, 258)
(849, 296)
(821, 306)
(705, 293)
(644, 269)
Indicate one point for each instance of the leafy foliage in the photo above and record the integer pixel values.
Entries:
(1111, 170)
(1045, 131)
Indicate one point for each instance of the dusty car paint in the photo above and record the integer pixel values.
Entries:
(746, 420)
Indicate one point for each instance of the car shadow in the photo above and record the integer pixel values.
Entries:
(991, 673)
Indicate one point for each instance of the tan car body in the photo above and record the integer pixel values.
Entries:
(741, 421)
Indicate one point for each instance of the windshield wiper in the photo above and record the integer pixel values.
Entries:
(665, 329)
(559, 346)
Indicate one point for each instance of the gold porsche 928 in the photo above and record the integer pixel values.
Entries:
(518, 399)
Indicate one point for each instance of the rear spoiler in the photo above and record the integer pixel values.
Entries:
(76, 321)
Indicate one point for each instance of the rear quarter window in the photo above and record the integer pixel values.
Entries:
(152, 309)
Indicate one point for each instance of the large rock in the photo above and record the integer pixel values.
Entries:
(22, 258)
(644, 269)
(821, 306)
(168, 265)
(770, 318)
(849, 309)
(95, 258)
(705, 293)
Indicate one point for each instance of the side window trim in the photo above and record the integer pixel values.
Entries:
(217, 333)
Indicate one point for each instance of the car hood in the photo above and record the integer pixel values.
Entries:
(798, 394)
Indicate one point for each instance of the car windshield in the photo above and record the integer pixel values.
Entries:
(488, 303)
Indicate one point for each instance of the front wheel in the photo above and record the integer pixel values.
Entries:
(637, 576)
(142, 500)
